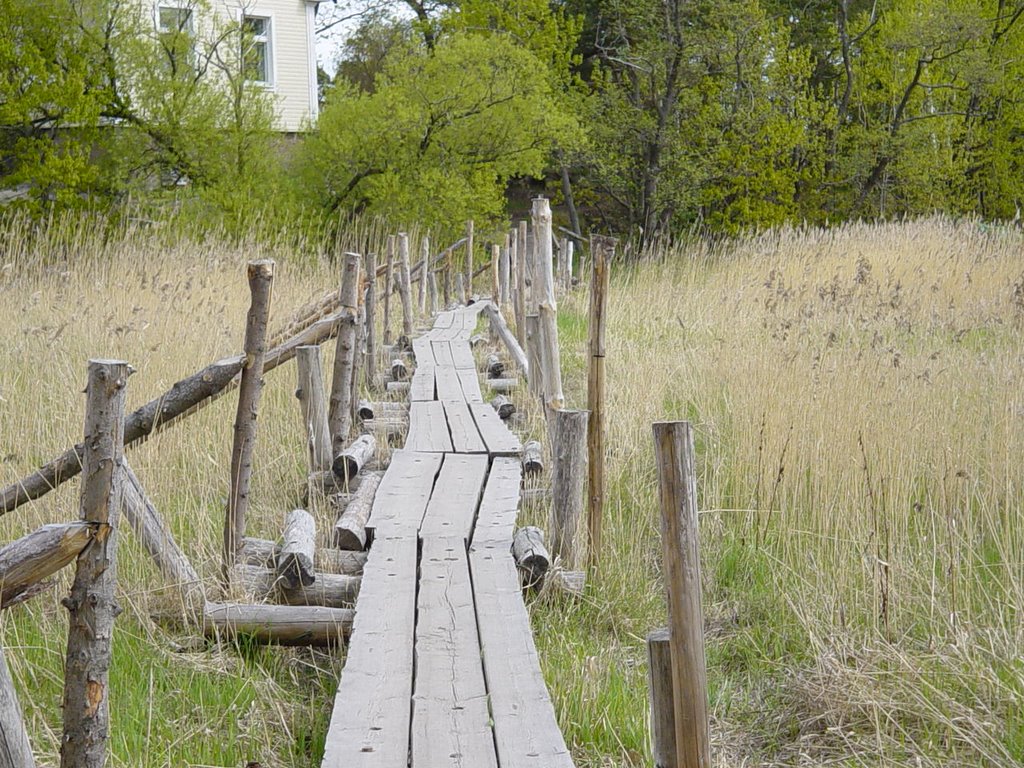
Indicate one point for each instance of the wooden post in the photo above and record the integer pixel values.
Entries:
(91, 604)
(358, 362)
(603, 248)
(339, 415)
(677, 484)
(370, 326)
(460, 288)
(313, 399)
(663, 718)
(568, 459)
(468, 280)
(15, 750)
(547, 308)
(261, 282)
(405, 284)
(534, 367)
(389, 288)
(533, 464)
(298, 550)
(522, 256)
(503, 272)
(496, 273)
(424, 271)
(446, 280)
(432, 291)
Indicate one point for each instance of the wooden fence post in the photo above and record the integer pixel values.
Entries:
(91, 606)
(663, 717)
(460, 288)
(313, 399)
(519, 309)
(261, 282)
(15, 750)
(503, 272)
(468, 280)
(358, 362)
(677, 484)
(432, 290)
(424, 271)
(547, 308)
(389, 288)
(568, 431)
(446, 280)
(534, 367)
(603, 249)
(405, 284)
(370, 362)
(339, 415)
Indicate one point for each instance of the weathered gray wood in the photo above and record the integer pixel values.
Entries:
(468, 271)
(448, 383)
(535, 367)
(460, 288)
(15, 750)
(571, 583)
(443, 354)
(536, 495)
(477, 341)
(470, 385)
(547, 307)
(503, 386)
(568, 430)
(533, 462)
(387, 430)
(451, 511)
(327, 484)
(523, 257)
(503, 407)
(602, 250)
(37, 556)
(462, 427)
(494, 367)
(357, 364)
(370, 723)
(389, 288)
(496, 518)
(659, 680)
(279, 624)
(348, 464)
(298, 548)
(462, 356)
(531, 555)
(313, 400)
(382, 409)
(397, 387)
(502, 298)
(328, 589)
(91, 604)
(428, 428)
(498, 439)
(432, 291)
(370, 321)
(261, 281)
(339, 414)
(405, 284)
(526, 732)
(350, 529)
(450, 719)
(157, 540)
(403, 493)
(511, 344)
(424, 273)
(677, 486)
(264, 552)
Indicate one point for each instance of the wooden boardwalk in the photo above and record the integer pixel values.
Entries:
(441, 667)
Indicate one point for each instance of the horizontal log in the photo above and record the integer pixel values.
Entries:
(572, 583)
(295, 561)
(350, 462)
(279, 624)
(536, 495)
(397, 387)
(494, 367)
(399, 370)
(533, 464)
(531, 555)
(37, 556)
(503, 386)
(350, 529)
(264, 552)
(329, 589)
(504, 407)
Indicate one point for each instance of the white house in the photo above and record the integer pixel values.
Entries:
(280, 51)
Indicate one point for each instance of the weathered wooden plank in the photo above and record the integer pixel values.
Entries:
(525, 729)
(465, 435)
(371, 718)
(403, 493)
(422, 352)
(444, 319)
(443, 354)
(500, 441)
(428, 428)
(450, 719)
(496, 518)
(422, 387)
(452, 509)
(470, 385)
(449, 386)
(462, 355)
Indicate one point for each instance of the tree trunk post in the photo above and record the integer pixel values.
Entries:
(503, 273)
(405, 284)
(91, 605)
(663, 716)
(424, 271)
(547, 308)
(358, 363)
(432, 291)
(677, 484)
(446, 280)
(261, 283)
(313, 400)
(389, 288)
(568, 473)
(370, 361)
(460, 288)
(535, 366)
(522, 256)
(15, 750)
(339, 415)
(469, 261)
(495, 273)
(603, 249)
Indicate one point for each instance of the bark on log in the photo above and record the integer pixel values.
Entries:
(662, 700)
(531, 555)
(15, 750)
(432, 290)
(313, 401)
(295, 562)
(405, 284)
(533, 464)
(264, 552)
(279, 624)
(547, 308)
(503, 406)
(510, 341)
(91, 606)
(389, 282)
(339, 415)
(495, 368)
(477, 340)
(365, 410)
(350, 529)
(503, 386)
(37, 556)
(495, 273)
(569, 471)
(158, 541)
(329, 590)
(370, 323)
(349, 462)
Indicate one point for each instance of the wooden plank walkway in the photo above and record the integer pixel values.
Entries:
(441, 667)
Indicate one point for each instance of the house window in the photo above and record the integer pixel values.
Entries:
(256, 49)
(176, 37)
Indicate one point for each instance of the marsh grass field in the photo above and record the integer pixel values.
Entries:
(858, 400)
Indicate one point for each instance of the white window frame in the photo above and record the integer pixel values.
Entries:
(176, 5)
(268, 39)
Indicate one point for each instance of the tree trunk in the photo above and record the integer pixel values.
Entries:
(405, 284)
(339, 415)
(389, 287)
(36, 556)
(350, 529)
(569, 472)
(547, 307)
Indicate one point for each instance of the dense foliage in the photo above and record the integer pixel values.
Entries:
(645, 116)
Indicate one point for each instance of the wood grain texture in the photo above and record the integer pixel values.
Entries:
(470, 385)
(500, 441)
(38, 555)
(422, 387)
(443, 354)
(462, 355)
(496, 518)
(451, 511)
(280, 624)
(428, 428)
(350, 528)
(312, 398)
(449, 385)
(264, 552)
(464, 433)
(15, 750)
(404, 492)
